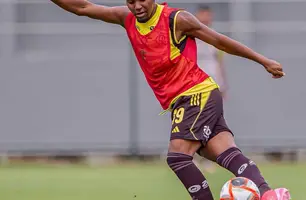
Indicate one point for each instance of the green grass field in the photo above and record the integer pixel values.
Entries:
(125, 182)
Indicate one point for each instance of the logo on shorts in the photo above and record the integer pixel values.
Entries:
(206, 132)
(242, 168)
(176, 130)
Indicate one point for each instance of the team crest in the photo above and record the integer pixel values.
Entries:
(143, 54)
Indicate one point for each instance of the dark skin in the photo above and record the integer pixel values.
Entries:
(186, 24)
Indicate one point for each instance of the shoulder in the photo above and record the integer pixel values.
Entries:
(120, 12)
(128, 20)
(185, 16)
(186, 21)
(170, 11)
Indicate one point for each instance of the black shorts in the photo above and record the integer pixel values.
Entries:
(198, 117)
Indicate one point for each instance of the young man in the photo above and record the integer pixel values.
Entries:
(210, 59)
(163, 42)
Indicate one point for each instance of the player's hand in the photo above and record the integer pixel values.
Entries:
(275, 69)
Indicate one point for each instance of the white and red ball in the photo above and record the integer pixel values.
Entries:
(239, 188)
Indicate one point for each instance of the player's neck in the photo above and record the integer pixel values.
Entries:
(152, 14)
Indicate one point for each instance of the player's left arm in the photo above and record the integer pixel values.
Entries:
(188, 24)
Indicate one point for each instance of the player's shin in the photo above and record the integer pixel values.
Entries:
(233, 160)
(189, 175)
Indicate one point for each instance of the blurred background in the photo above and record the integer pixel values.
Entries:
(75, 108)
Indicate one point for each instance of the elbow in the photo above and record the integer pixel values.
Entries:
(218, 42)
(80, 11)
(220, 45)
(228, 45)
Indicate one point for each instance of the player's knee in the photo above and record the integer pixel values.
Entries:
(184, 146)
(218, 144)
(178, 160)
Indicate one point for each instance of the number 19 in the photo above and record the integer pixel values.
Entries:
(178, 115)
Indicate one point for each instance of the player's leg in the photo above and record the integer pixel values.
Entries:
(183, 145)
(180, 160)
(222, 149)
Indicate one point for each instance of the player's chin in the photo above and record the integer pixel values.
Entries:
(142, 19)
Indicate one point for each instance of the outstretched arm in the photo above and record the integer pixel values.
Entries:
(115, 15)
(187, 24)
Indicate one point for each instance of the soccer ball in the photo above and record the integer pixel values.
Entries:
(239, 188)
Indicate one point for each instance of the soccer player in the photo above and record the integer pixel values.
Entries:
(210, 59)
(163, 41)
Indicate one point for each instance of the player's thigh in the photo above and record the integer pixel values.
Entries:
(193, 118)
(217, 145)
(221, 140)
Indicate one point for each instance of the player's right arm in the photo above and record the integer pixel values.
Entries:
(115, 15)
